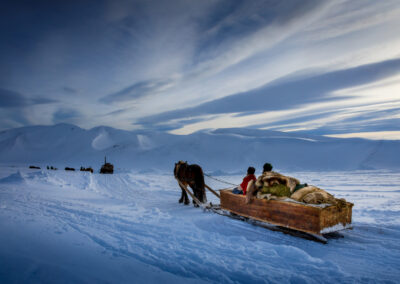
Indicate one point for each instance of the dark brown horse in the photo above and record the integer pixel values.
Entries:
(193, 176)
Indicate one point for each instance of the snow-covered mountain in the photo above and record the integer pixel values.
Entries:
(227, 150)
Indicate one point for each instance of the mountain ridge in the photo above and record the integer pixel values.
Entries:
(226, 149)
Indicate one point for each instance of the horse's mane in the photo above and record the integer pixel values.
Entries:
(180, 168)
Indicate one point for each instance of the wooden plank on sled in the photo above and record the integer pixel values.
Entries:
(190, 193)
(213, 191)
(296, 216)
(313, 237)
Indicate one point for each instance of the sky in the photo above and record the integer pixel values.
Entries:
(317, 67)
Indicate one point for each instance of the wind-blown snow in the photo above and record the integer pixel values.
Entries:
(144, 142)
(102, 141)
(77, 227)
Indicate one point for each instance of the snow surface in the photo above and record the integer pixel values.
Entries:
(336, 228)
(77, 227)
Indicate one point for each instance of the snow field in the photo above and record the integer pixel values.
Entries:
(77, 227)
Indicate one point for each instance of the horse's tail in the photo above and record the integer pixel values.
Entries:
(200, 184)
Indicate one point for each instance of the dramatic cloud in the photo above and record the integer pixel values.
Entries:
(328, 67)
(66, 115)
(69, 90)
(15, 108)
(13, 99)
(287, 94)
(136, 91)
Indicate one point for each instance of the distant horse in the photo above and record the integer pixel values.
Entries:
(193, 176)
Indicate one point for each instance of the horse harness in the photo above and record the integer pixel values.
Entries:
(180, 176)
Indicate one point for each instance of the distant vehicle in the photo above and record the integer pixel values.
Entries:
(69, 169)
(86, 169)
(34, 167)
(107, 168)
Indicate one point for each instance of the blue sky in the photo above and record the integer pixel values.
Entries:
(317, 67)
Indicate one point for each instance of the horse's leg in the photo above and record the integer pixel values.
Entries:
(202, 194)
(193, 187)
(196, 195)
(184, 197)
(186, 202)
(181, 199)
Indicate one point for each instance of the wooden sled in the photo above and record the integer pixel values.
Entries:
(317, 221)
(307, 221)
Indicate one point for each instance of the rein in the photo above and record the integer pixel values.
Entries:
(220, 180)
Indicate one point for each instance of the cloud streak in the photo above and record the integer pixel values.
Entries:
(64, 115)
(136, 91)
(12, 99)
(287, 93)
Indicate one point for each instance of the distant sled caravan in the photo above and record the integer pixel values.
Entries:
(83, 169)
(107, 168)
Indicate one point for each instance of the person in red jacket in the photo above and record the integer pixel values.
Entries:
(241, 189)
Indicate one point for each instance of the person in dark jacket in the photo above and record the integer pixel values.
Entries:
(267, 167)
(241, 189)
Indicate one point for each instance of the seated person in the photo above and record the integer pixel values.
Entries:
(241, 189)
(272, 183)
(267, 167)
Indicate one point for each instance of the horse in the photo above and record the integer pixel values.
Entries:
(193, 176)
